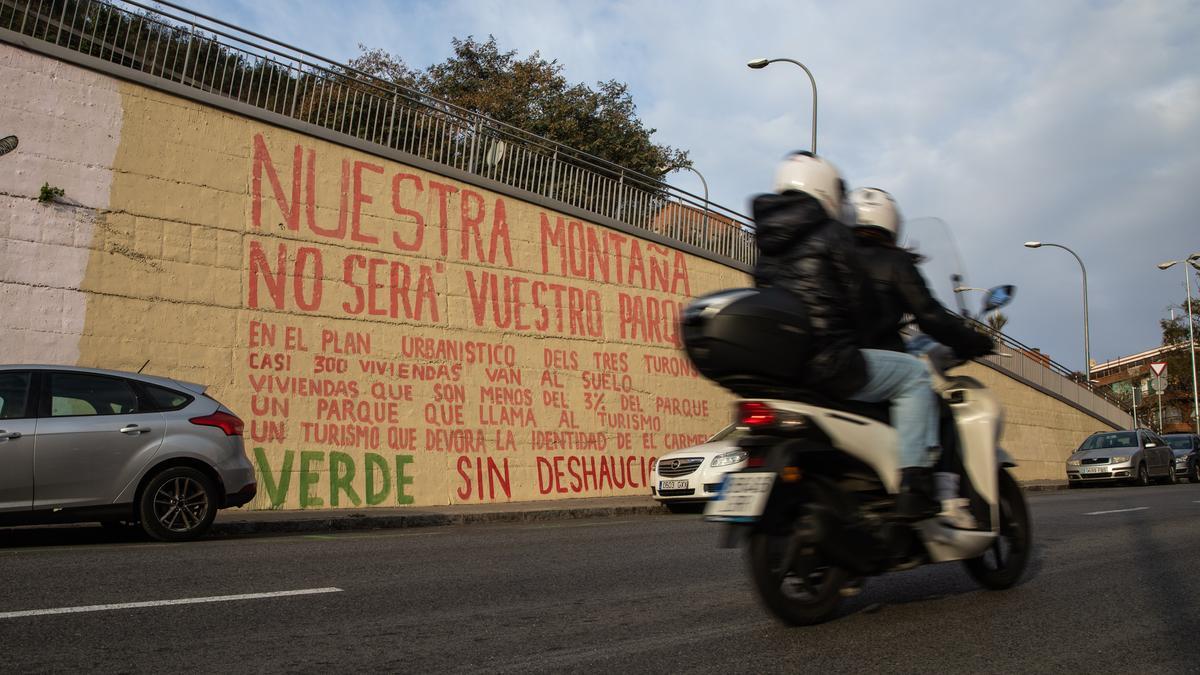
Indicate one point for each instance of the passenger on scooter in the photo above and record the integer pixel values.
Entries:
(901, 292)
(804, 247)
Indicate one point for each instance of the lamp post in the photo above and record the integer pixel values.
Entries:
(763, 63)
(1187, 280)
(704, 226)
(1087, 342)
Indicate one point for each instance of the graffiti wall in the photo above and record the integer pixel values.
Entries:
(390, 336)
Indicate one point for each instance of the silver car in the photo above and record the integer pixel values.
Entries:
(79, 444)
(1139, 456)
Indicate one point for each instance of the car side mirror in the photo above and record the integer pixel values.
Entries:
(1151, 444)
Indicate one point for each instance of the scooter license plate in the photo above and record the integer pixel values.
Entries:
(742, 498)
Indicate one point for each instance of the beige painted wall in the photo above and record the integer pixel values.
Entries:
(389, 336)
(1039, 431)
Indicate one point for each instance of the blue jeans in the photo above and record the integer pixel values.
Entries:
(904, 380)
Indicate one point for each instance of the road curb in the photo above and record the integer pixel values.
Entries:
(1044, 487)
(364, 521)
(358, 520)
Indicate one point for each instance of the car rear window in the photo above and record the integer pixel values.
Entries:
(14, 392)
(164, 399)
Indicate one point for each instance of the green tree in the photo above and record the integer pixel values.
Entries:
(532, 94)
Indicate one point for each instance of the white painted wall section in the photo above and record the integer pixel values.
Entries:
(68, 122)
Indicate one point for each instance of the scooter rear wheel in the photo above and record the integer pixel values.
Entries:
(1003, 563)
(803, 592)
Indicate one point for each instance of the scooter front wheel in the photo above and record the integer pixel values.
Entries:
(1003, 563)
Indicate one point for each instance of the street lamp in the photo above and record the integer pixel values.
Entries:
(1087, 343)
(704, 227)
(760, 63)
(1187, 279)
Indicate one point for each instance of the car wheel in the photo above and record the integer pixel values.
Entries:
(178, 504)
(1143, 476)
(1171, 479)
(1194, 474)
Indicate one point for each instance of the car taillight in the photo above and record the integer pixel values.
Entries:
(230, 424)
(755, 414)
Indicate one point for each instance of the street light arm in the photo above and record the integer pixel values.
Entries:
(704, 226)
(1087, 343)
(812, 80)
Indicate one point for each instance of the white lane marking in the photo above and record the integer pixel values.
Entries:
(1100, 513)
(165, 603)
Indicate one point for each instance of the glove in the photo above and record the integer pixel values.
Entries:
(978, 345)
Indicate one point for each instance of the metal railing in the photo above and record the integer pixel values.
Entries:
(219, 58)
(1031, 365)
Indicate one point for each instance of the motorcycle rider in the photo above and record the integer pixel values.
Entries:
(805, 248)
(901, 291)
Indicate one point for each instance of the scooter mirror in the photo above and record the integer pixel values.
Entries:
(998, 296)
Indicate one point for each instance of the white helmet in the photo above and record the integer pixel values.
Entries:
(803, 171)
(875, 208)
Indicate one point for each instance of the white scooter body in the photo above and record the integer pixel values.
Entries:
(978, 416)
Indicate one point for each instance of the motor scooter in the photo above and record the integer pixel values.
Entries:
(815, 505)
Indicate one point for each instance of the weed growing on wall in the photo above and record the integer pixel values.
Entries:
(49, 193)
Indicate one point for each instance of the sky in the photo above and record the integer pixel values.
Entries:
(1070, 122)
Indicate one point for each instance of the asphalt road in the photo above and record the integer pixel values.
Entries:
(1117, 591)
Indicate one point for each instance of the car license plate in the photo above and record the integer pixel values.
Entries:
(672, 484)
(1095, 469)
(742, 498)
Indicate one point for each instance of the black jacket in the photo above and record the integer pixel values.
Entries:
(899, 290)
(802, 250)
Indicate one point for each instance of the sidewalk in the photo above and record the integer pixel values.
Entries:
(238, 521)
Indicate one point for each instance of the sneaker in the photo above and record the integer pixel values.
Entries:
(957, 514)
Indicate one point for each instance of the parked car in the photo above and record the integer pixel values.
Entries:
(1187, 455)
(685, 478)
(80, 444)
(1137, 456)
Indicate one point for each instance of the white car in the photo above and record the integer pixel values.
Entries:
(685, 478)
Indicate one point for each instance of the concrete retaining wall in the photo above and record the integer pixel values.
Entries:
(390, 335)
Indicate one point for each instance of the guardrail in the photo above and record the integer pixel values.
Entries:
(219, 58)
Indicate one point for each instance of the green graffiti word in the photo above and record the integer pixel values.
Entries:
(380, 479)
